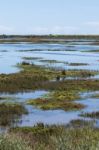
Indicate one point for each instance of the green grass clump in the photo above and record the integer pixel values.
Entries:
(44, 137)
(73, 85)
(58, 100)
(51, 73)
(95, 96)
(32, 77)
(5, 98)
(52, 61)
(80, 123)
(13, 142)
(93, 51)
(10, 113)
(77, 139)
(52, 105)
(91, 115)
(78, 64)
(80, 73)
(38, 129)
(31, 58)
(65, 92)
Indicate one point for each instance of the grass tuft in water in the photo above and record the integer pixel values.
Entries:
(10, 113)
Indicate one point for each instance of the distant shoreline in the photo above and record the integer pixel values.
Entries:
(48, 38)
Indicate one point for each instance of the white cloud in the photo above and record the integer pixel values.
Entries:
(6, 29)
(54, 30)
(39, 30)
(91, 27)
(92, 23)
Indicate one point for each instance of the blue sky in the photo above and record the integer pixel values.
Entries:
(49, 16)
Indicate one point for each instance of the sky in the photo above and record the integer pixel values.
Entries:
(49, 17)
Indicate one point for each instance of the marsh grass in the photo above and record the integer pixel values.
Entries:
(13, 142)
(78, 64)
(7, 98)
(31, 58)
(54, 104)
(92, 51)
(94, 115)
(32, 77)
(10, 113)
(44, 137)
(80, 123)
(52, 61)
(96, 96)
(53, 72)
(58, 100)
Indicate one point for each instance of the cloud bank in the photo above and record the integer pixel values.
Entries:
(90, 27)
(6, 29)
(54, 30)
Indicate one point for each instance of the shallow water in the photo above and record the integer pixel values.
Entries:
(59, 116)
(36, 115)
(11, 54)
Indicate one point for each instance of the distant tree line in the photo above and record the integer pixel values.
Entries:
(50, 36)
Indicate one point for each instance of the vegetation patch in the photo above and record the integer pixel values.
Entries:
(53, 61)
(58, 100)
(50, 39)
(13, 142)
(10, 113)
(91, 115)
(32, 58)
(95, 96)
(52, 105)
(53, 73)
(80, 123)
(32, 77)
(93, 51)
(30, 50)
(6, 98)
(60, 137)
(78, 64)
